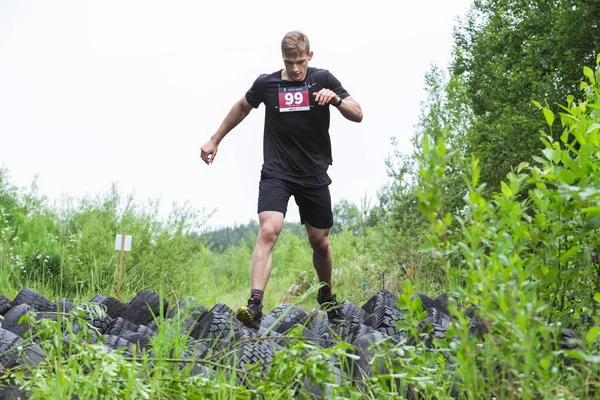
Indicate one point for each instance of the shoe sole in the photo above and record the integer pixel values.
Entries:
(244, 316)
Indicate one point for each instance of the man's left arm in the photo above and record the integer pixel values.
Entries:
(349, 108)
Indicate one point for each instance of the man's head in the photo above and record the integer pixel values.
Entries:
(295, 50)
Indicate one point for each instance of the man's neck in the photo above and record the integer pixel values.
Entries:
(286, 77)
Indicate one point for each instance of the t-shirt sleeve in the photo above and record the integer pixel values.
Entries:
(255, 95)
(332, 83)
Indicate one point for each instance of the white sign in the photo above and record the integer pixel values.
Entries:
(119, 241)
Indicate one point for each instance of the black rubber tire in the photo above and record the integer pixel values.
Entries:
(437, 323)
(441, 303)
(222, 308)
(367, 340)
(64, 305)
(320, 324)
(277, 311)
(359, 366)
(351, 310)
(114, 307)
(11, 320)
(323, 390)
(15, 351)
(121, 325)
(140, 340)
(384, 320)
(260, 353)
(103, 323)
(14, 393)
(198, 349)
(145, 331)
(292, 315)
(97, 298)
(381, 298)
(34, 299)
(428, 302)
(144, 307)
(358, 330)
(116, 343)
(217, 326)
(4, 304)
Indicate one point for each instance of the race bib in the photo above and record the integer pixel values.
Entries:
(294, 99)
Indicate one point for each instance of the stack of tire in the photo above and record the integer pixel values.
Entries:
(216, 333)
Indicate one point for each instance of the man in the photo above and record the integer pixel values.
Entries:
(297, 154)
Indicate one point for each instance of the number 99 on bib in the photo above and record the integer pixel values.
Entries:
(294, 99)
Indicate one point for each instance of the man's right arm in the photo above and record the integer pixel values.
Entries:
(238, 112)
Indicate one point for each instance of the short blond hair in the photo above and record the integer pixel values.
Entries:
(295, 43)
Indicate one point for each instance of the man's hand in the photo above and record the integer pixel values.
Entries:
(326, 96)
(208, 152)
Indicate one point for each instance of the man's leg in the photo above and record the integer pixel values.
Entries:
(270, 226)
(319, 241)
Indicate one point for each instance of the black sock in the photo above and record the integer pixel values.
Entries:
(256, 294)
(325, 290)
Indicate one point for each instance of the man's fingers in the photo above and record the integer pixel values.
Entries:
(324, 96)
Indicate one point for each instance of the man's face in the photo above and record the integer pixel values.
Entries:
(296, 67)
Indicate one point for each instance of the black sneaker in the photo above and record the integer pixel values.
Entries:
(333, 309)
(251, 314)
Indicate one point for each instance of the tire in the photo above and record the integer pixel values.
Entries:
(15, 351)
(97, 298)
(320, 324)
(384, 320)
(145, 331)
(144, 307)
(121, 325)
(4, 304)
(64, 305)
(260, 353)
(14, 393)
(358, 330)
(34, 299)
(116, 343)
(381, 298)
(11, 320)
(140, 340)
(102, 323)
(222, 308)
(323, 390)
(288, 314)
(437, 323)
(216, 326)
(351, 310)
(114, 307)
(369, 339)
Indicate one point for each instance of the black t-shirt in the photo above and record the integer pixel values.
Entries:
(296, 143)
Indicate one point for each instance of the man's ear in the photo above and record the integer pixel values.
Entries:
(310, 55)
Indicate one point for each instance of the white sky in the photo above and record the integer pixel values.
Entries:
(93, 93)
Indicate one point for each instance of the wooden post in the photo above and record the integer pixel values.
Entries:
(121, 266)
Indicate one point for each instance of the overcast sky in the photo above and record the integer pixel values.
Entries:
(126, 92)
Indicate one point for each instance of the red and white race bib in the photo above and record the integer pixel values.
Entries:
(294, 99)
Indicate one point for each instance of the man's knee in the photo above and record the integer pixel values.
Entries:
(319, 243)
(268, 234)
(271, 225)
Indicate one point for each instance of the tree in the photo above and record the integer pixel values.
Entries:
(511, 52)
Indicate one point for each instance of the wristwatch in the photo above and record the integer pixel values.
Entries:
(340, 103)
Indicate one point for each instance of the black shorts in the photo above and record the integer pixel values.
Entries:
(314, 203)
